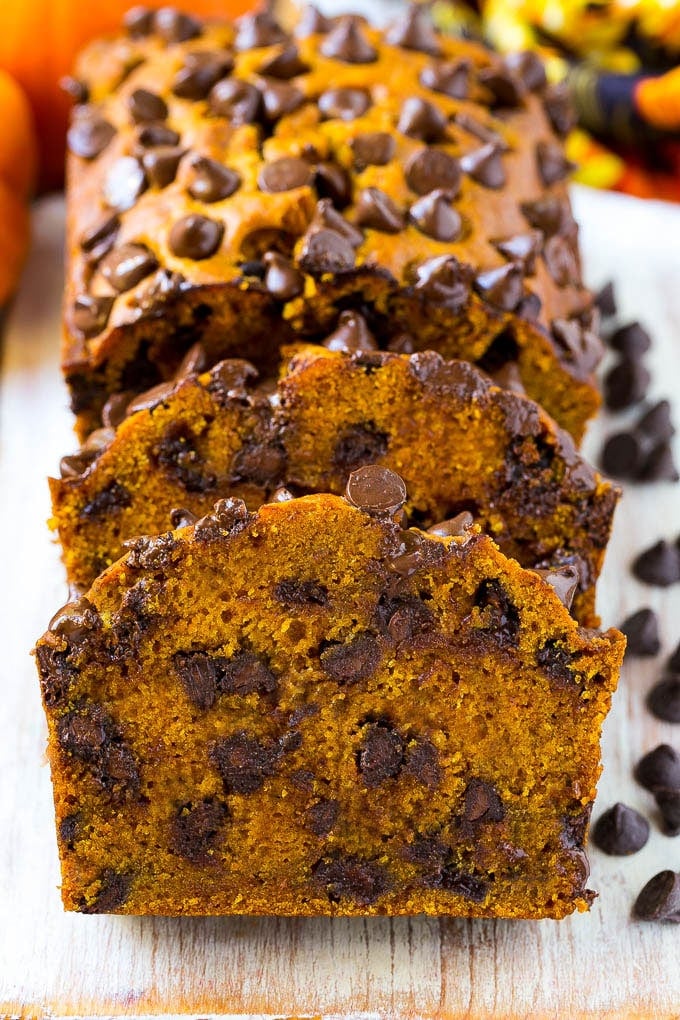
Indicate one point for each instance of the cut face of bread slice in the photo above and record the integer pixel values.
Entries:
(310, 710)
(459, 442)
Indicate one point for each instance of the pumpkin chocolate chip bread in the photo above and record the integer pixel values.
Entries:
(241, 185)
(460, 443)
(310, 710)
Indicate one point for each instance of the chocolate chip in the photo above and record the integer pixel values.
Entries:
(229, 517)
(343, 103)
(559, 108)
(245, 674)
(138, 22)
(212, 181)
(279, 98)
(659, 768)
(529, 68)
(463, 884)
(99, 238)
(561, 260)
(506, 88)
(633, 340)
(157, 134)
(502, 287)
(160, 165)
(674, 661)
(556, 662)
(659, 565)
(376, 490)
(429, 169)
(333, 182)
(563, 580)
(236, 100)
(195, 830)
(373, 148)
(414, 31)
(125, 181)
(351, 334)
(422, 120)
(377, 210)
(446, 281)
(327, 216)
(294, 592)
(422, 764)
(144, 105)
(114, 410)
(620, 831)
(313, 22)
(77, 464)
(69, 830)
(485, 165)
(91, 313)
(668, 802)
(355, 660)
(454, 527)
(642, 631)
(660, 465)
(175, 27)
(112, 497)
(551, 215)
(435, 217)
(89, 135)
(114, 890)
(499, 614)
(664, 699)
(406, 618)
(75, 621)
(244, 763)
(90, 736)
(656, 423)
(482, 803)
(322, 816)
(195, 237)
(577, 345)
(200, 71)
(326, 251)
(258, 29)
(553, 165)
(522, 248)
(282, 279)
(358, 445)
(352, 878)
(284, 174)
(152, 397)
(180, 517)
(605, 300)
(659, 900)
(450, 78)
(381, 754)
(481, 131)
(285, 64)
(197, 672)
(127, 265)
(347, 42)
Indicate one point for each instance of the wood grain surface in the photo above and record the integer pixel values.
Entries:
(53, 964)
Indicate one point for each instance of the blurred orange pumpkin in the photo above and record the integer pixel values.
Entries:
(17, 177)
(39, 40)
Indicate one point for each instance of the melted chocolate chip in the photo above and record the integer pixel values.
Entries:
(482, 803)
(659, 768)
(422, 120)
(445, 281)
(236, 100)
(642, 631)
(160, 165)
(114, 890)
(284, 174)
(556, 662)
(376, 490)
(347, 42)
(111, 498)
(195, 830)
(377, 210)
(99, 238)
(212, 181)
(351, 334)
(258, 29)
(261, 460)
(373, 148)
(197, 672)
(485, 165)
(127, 265)
(454, 527)
(352, 878)
(90, 314)
(422, 764)
(294, 592)
(414, 31)
(381, 754)
(500, 615)
(195, 237)
(435, 217)
(229, 517)
(285, 64)
(358, 445)
(451, 78)
(620, 831)
(355, 660)
(244, 763)
(89, 135)
(502, 287)
(90, 736)
(125, 181)
(343, 103)
(322, 816)
(282, 279)
(245, 674)
(177, 456)
(326, 251)
(201, 70)
(144, 105)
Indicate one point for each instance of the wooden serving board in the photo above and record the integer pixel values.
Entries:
(54, 964)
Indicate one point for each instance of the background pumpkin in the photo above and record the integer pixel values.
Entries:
(17, 175)
(38, 43)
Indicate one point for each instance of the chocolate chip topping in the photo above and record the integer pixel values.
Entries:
(313, 22)
(373, 148)
(332, 181)
(450, 78)
(212, 181)
(422, 120)
(127, 265)
(258, 29)
(528, 67)
(507, 90)
(561, 260)
(285, 64)
(347, 42)
(668, 803)
(343, 103)
(482, 803)
(326, 215)
(564, 581)
(551, 215)
(326, 251)
(90, 314)
(559, 108)
(99, 238)
(89, 135)
(174, 26)
(522, 248)
(446, 281)
(553, 165)
(498, 613)
(229, 517)
(381, 754)
(355, 660)
(414, 31)
(435, 217)
(244, 763)
(351, 334)
(279, 98)
(454, 527)
(144, 105)
(620, 831)
(160, 165)
(659, 565)
(351, 877)
(284, 174)
(282, 279)
(200, 71)
(642, 631)
(377, 210)
(659, 768)
(633, 340)
(236, 100)
(429, 169)
(376, 490)
(485, 165)
(502, 287)
(579, 346)
(195, 830)
(156, 134)
(659, 900)
(322, 816)
(605, 300)
(663, 699)
(195, 237)
(124, 183)
(75, 621)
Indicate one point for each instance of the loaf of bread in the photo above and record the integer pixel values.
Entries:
(241, 186)
(310, 710)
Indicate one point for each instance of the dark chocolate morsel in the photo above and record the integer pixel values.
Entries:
(576, 344)
(656, 424)
(435, 217)
(90, 314)
(659, 900)
(99, 238)
(244, 763)
(625, 384)
(633, 340)
(195, 237)
(351, 877)
(622, 455)
(563, 580)
(127, 265)
(659, 465)
(414, 31)
(620, 831)
(502, 287)
(89, 135)
(258, 29)
(561, 260)
(327, 216)
(659, 768)
(529, 68)
(375, 209)
(422, 120)
(485, 165)
(138, 22)
(333, 182)
(343, 103)
(313, 22)
(284, 174)
(322, 816)
(430, 169)
(668, 802)
(180, 517)
(279, 98)
(174, 26)
(352, 661)
(359, 444)
(201, 70)
(114, 890)
(659, 565)
(642, 631)
(160, 164)
(559, 108)
(196, 828)
(351, 334)
(144, 105)
(293, 592)
(75, 621)
(506, 88)
(282, 279)
(372, 148)
(482, 802)
(454, 527)
(553, 165)
(674, 661)
(663, 699)
(326, 251)
(347, 42)
(381, 754)
(605, 300)
(212, 181)
(376, 490)
(197, 672)
(522, 248)
(285, 64)
(125, 181)
(450, 78)
(446, 281)
(236, 100)
(151, 135)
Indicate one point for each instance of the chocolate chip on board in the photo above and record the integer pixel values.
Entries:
(659, 900)
(663, 700)
(625, 384)
(620, 831)
(659, 768)
(605, 300)
(642, 630)
(659, 565)
(632, 340)
(668, 802)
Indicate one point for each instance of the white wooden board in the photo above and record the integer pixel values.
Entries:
(53, 964)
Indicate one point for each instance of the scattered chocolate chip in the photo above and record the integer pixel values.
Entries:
(454, 527)
(347, 42)
(90, 314)
(89, 135)
(674, 661)
(435, 217)
(576, 344)
(659, 900)
(351, 334)
(313, 22)
(556, 662)
(664, 699)
(561, 260)
(446, 281)
(333, 182)
(144, 105)
(352, 661)
(450, 78)
(660, 465)
(326, 251)
(375, 209)
(553, 165)
(258, 29)
(156, 134)
(376, 490)
(430, 169)
(343, 103)
(326, 216)
(659, 768)
(351, 877)
(279, 98)
(506, 88)
(559, 108)
(563, 580)
(552, 215)
(285, 64)
(114, 890)
(659, 565)
(229, 517)
(668, 802)
(502, 287)
(282, 279)
(529, 68)
(236, 100)
(381, 754)
(620, 831)
(200, 71)
(195, 237)
(482, 803)
(125, 181)
(422, 120)
(656, 423)
(293, 592)
(642, 631)
(605, 300)
(414, 31)
(195, 829)
(322, 816)
(622, 455)
(175, 27)
(100, 237)
(160, 165)
(485, 165)
(522, 248)
(212, 181)
(284, 174)
(372, 148)
(244, 763)
(631, 340)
